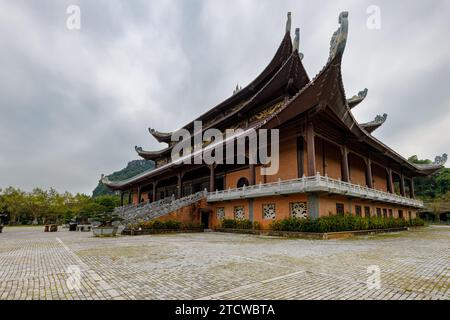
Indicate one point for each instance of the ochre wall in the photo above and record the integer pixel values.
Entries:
(287, 166)
(327, 205)
(281, 207)
(357, 169)
(333, 160)
(189, 214)
(379, 177)
(287, 160)
(231, 178)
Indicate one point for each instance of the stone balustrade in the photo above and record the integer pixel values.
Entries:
(315, 183)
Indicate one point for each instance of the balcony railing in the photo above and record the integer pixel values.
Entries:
(315, 183)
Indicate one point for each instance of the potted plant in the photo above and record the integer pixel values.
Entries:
(104, 224)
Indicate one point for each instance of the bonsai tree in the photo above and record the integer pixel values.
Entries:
(106, 219)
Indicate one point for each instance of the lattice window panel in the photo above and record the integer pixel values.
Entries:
(220, 213)
(239, 213)
(298, 210)
(269, 211)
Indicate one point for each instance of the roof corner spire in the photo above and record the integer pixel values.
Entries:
(339, 39)
(288, 22)
(237, 89)
(297, 39)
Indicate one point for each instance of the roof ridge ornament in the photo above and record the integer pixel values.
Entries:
(381, 118)
(237, 89)
(339, 38)
(288, 22)
(374, 124)
(357, 98)
(440, 160)
(296, 39)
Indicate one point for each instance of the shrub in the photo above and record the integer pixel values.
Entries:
(244, 224)
(159, 225)
(192, 225)
(336, 223)
(239, 224)
(229, 223)
(172, 225)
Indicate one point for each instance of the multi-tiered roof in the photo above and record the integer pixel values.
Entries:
(280, 93)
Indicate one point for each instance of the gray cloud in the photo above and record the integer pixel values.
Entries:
(74, 103)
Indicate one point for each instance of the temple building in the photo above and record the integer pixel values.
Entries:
(328, 162)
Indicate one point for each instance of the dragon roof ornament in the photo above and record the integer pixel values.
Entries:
(339, 38)
(440, 160)
(430, 168)
(357, 98)
(375, 124)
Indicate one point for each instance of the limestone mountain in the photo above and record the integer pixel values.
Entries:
(133, 168)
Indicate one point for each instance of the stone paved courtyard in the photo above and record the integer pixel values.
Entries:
(38, 265)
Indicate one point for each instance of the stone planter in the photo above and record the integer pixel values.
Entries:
(50, 228)
(104, 231)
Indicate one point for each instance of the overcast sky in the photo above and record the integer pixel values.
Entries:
(74, 103)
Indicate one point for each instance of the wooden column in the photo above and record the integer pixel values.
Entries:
(310, 149)
(212, 178)
(180, 185)
(139, 194)
(390, 181)
(251, 168)
(344, 164)
(130, 196)
(369, 178)
(154, 191)
(411, 188)
(402, 186)
(121, 198)
(300, 159)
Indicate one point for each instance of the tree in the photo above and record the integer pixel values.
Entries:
(37, 203)
(14, 201)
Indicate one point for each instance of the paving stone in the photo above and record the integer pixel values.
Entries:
(75, 265)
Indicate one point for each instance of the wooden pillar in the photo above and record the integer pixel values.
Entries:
(252, 174)
(344, 164)
(154, 191)
(310, 149)
(402, 186)
(212, 178)
(390, 181)
(180, 185)
(121, 198)
(139, 194)
(411, 188)
(369, 178)
(130, 196)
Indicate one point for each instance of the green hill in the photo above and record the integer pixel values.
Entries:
(434, 187)
(133, 168)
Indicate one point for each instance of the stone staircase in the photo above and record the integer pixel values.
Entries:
(146, 211)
